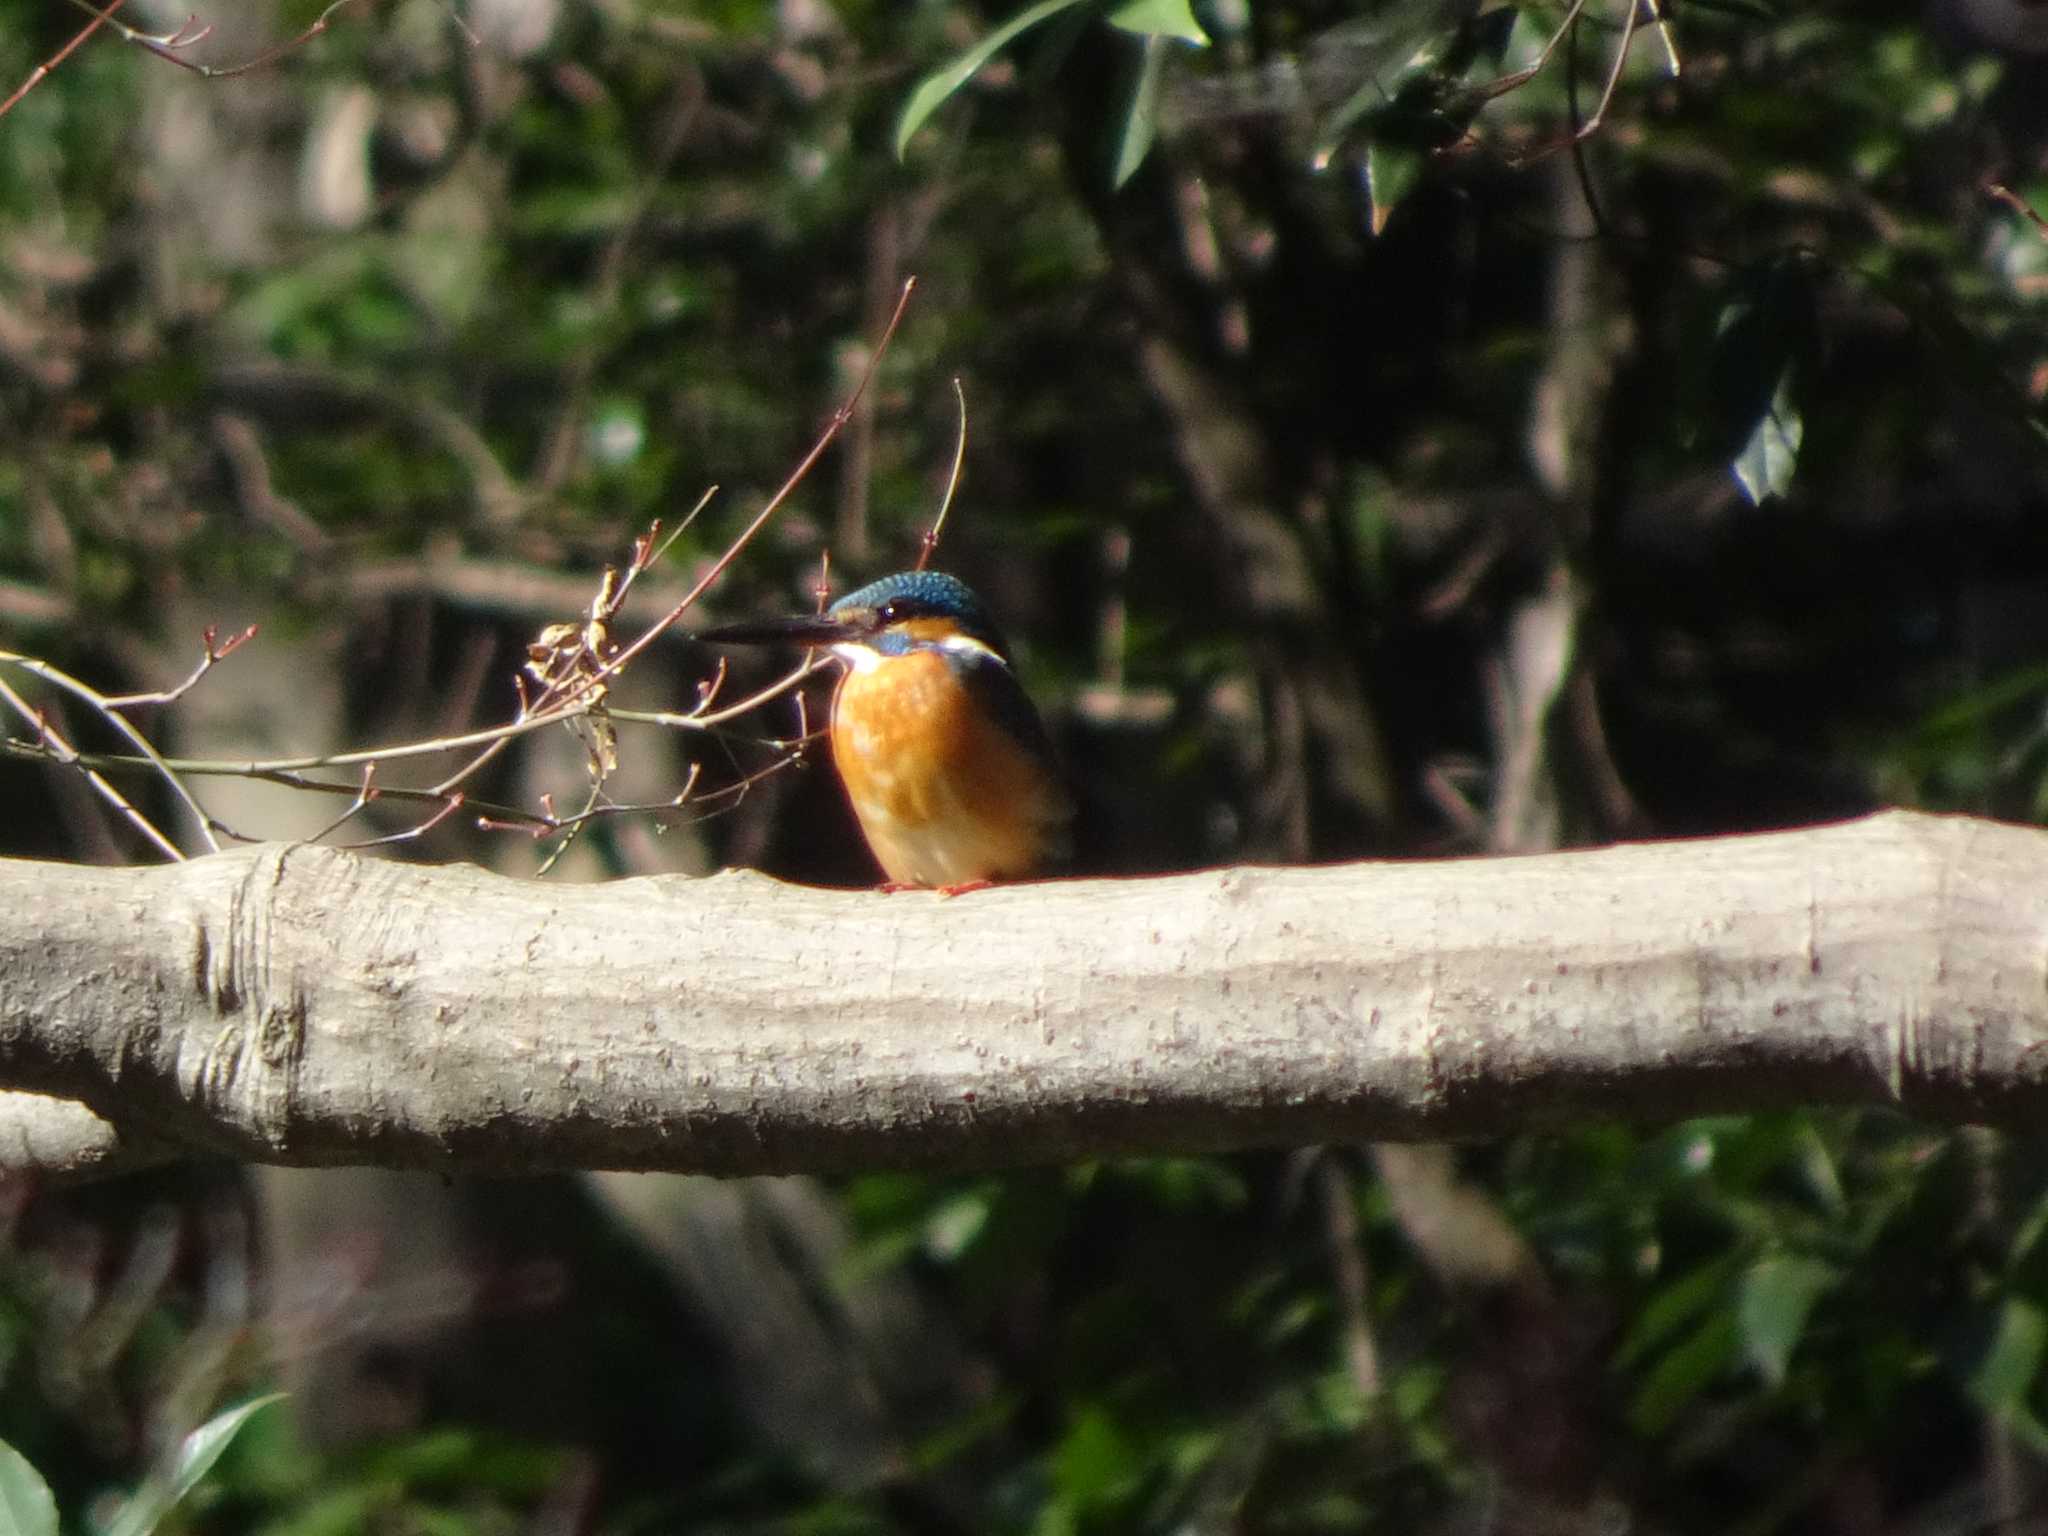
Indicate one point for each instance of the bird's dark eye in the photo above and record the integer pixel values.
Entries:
(891, 612)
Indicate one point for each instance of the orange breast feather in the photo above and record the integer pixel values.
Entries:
(944, 793)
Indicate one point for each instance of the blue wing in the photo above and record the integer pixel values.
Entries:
(995, 687)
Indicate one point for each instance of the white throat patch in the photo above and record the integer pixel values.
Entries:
(972, 647)
(859, 656)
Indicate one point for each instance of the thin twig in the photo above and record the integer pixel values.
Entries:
(647, 552)
(833, 428)
(216, 651)
(1566, 30)
(454, 804)
(290, 773)
(1583, 131)
(477, 764)
(1628, 38)
(167, 47)
(930, 541)
(365, 793)
(596, 806)
(285, 778)
(703, 806)
(62, 752)
(1581, 169)
(259, 767)
(702, 502)
(42, 71)
(571, 829)
(2019, 205)
(99, 703)
(698, 719)
(1522, 77)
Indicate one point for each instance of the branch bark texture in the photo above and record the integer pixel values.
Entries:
(299, 1005)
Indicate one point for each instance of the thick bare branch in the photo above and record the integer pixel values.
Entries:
(302, 1005)
(57, 1138)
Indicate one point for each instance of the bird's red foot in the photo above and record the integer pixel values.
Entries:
(964, 887)
(891, 887)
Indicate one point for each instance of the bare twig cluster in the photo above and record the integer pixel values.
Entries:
(1351, 70)
(1567, 32)
(567, 681)
(167, 45)
(48, 741)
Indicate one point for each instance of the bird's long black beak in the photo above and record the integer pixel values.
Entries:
(808, 629)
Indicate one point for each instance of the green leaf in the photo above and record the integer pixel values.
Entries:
(197, 1453)
(1157, 19)
(1674, 1305)
(2004, 1374)
(1683, 1373)
(1772, 1306)
(1818, 1169)
(933, 90)
(1391, 172)
(1332, 131)
(1765, 346)
(1994, 698)
(1096, 1464)
(1401, 89)
(1767, 461)
(2026, 1253)
(26, 1507)
(1141, 119)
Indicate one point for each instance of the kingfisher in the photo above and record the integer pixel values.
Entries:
(946, 763)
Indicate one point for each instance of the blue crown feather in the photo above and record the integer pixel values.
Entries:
(926, 594)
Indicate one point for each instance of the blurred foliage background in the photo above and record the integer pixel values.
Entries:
(1361, 466)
